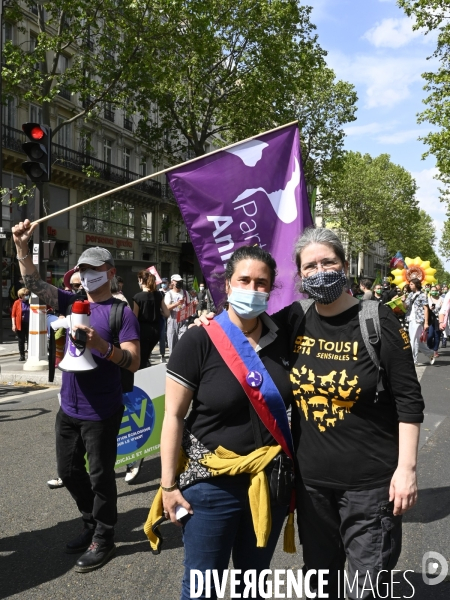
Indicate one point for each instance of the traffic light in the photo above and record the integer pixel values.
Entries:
(39, 152)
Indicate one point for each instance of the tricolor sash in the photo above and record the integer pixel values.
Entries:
(241, 359)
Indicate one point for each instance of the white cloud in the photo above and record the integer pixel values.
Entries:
(369, 128)
(394, 33)
(387, 80)
(400, 137)
(428, 193)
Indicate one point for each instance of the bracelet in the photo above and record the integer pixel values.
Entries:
(169, 489)
(109, 357)
(108, 352)
(24, 257)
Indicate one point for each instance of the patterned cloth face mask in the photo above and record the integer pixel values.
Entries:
(325, 286)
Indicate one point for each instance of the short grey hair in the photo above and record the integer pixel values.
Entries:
(318, 235)
(74, 276)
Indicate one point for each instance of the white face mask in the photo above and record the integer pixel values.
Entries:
(91, 280)
(202, 288)
(25, 298)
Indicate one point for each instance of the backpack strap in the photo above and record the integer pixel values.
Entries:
(369, 322)
(115, 319)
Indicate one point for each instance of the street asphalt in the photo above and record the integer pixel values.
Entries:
(36, 522)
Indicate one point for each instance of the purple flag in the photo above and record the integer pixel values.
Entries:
(252, 193)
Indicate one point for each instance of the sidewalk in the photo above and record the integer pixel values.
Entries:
(12, 372)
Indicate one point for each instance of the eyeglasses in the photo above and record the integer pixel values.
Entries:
(327, 264)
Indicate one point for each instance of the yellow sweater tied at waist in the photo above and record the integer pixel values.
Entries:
(226, 462)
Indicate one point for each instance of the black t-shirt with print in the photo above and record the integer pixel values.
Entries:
(220, 408)
(344, 438)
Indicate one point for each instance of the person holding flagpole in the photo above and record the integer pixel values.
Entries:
(235, 375)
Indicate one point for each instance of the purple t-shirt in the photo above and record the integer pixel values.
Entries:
(96, 395)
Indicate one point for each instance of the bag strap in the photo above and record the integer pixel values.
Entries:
(115, 319)
(266, 400)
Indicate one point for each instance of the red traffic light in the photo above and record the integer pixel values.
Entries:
(37, 133)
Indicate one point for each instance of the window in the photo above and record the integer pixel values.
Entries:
(165, 224)
(33, 46)
(107, 151)
(146, 226)
(109, 217)
(7, 33)
(9, 112)
(63, 64)
(126, 159)
(64, 134)
(108, 112)
(85, 144)
(143, 167)
(35, 114)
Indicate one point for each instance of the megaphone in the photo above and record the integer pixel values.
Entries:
(77, 358)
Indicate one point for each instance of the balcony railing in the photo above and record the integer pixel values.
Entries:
(65, 93)
(78, 161)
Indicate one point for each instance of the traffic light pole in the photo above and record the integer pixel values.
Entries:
(37, 338)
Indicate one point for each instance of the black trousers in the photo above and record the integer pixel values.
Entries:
(22, 336)
(149, 338)
(95, 493)
(357, 526)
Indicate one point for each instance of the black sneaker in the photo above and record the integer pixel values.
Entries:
(95, 557)
(80, 543)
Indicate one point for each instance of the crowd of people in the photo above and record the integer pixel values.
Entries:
(317, 407)
(424, 311)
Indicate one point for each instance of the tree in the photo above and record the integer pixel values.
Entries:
(322, 110)
(224, 68)
(371, 200)
(434, 15)
(86, 47)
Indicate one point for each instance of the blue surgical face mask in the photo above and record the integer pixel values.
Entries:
(164, 285)
(248, 304)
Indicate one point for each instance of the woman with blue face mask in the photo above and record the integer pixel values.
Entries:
(227, 445)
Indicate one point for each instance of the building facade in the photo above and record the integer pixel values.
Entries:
(141, 225)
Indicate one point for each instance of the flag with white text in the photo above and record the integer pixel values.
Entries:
(251, 193)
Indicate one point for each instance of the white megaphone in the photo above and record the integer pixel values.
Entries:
(77, 358)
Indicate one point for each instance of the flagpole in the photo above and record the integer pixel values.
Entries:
(131, 183)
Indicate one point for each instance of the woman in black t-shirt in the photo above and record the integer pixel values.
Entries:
(356, 429)
(148, 306)
(225, 449)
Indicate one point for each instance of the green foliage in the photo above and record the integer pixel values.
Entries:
(371, 200)
(322, 110)
(224, 68)
(103, 41)
(20, 194)
(434, 15)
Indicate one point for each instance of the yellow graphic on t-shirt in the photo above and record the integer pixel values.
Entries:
(326, 397)
(325, 349)
(405, 338)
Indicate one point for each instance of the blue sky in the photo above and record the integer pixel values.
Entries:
(371, 44)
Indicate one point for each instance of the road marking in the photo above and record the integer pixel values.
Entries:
(28, 394)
